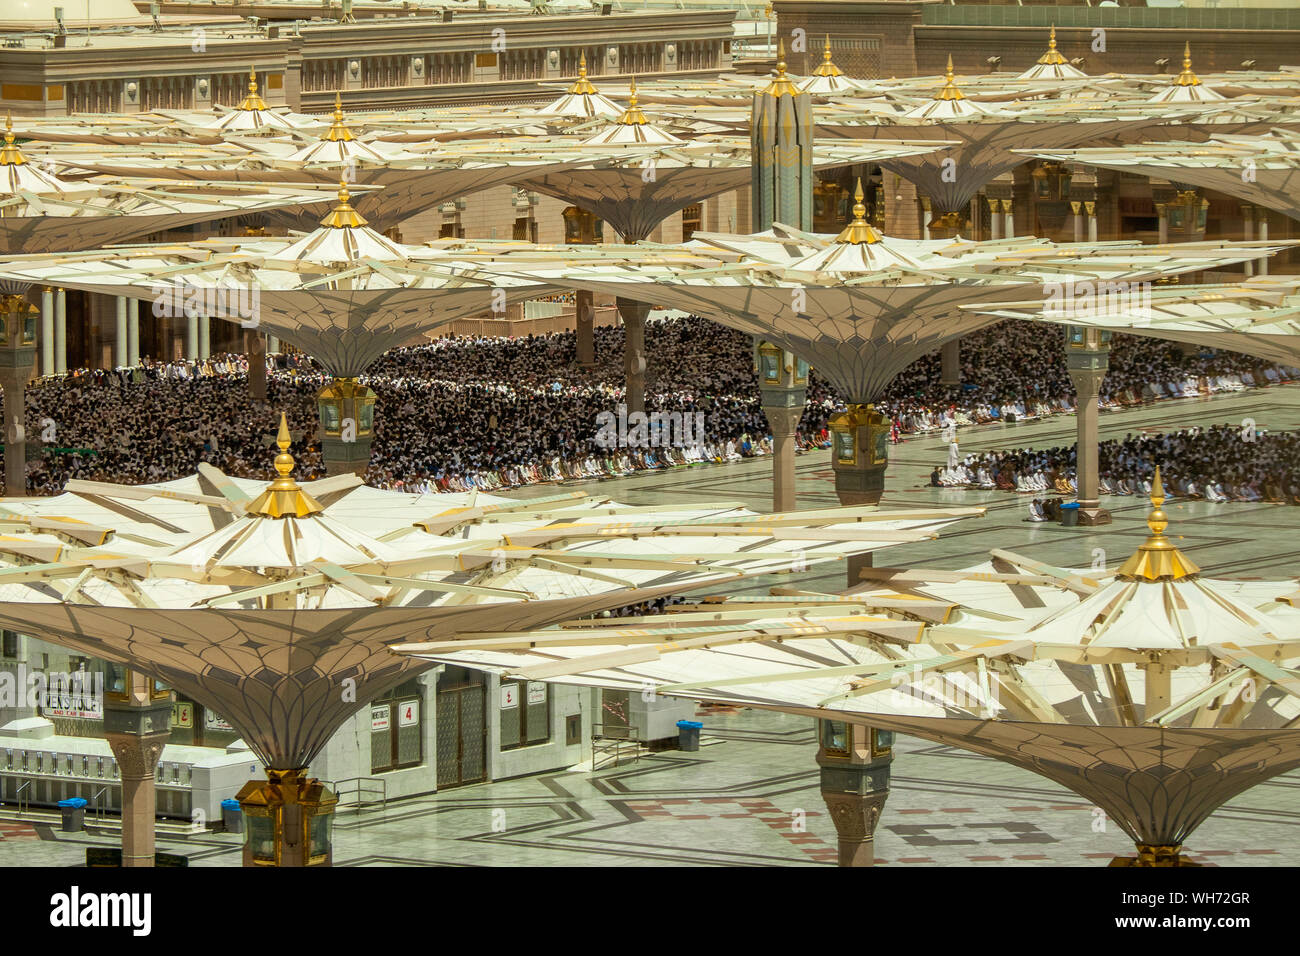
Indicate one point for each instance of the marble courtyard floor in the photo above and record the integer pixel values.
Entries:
(749, 796)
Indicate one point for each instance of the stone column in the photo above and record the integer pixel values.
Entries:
(191, 337)
(1087, 385)
(255, 346)
(61, 332)
(1263, 237)
(633, 314)
(1091, 209)
(121, 348)
(1248, 233)
(585, 326)
(1008, 220)
(47, 331)
(1076, 209)
(950, 363)
(995, 220)
(132, 334)
(783, 420)
(205, 337)
(1162, 213)
(272, 345)
(14, 382)
(136, 729)
(855, 787)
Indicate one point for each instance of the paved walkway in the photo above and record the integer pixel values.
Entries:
(749, 797)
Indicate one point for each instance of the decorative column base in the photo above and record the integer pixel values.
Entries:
(346, 457)
(289, 820)
(860, 484)
(1091, 514)
(1151, 855)
(137, 734)
(855, 796)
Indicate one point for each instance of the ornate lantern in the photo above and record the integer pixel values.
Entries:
(860, 437)
(289, 820)
(347, 419)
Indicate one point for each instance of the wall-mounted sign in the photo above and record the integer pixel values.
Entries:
(379, 717)
(182, 714)
(536, 692)
(509, 696)
(408, 713)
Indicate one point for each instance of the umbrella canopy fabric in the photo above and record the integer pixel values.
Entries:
(275, 604)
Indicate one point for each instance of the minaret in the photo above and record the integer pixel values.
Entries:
(782, 192)
(782, 138)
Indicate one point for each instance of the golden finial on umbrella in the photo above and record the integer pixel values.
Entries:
(859, 231)
(283, 498)
(1157, 558)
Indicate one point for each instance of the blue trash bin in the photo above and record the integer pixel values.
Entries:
(74, 814)
(688, 735)
(232, 816)
(1070, 514)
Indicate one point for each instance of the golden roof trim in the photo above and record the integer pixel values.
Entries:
(283, 498)
(1157, 558)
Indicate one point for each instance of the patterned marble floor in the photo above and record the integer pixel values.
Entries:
(749, 796)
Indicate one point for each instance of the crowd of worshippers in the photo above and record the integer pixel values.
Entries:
(492, 413)
(1231, 462)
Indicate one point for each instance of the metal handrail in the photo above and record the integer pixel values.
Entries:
(23, 805)
(99, 810)
(362, 786)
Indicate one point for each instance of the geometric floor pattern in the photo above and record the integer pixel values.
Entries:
(749, 797)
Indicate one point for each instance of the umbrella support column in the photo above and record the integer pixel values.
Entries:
(17, 358)
(256, 351)
(783, 394)
(14, 382)
(950, 363)
(634, 363)
(136, 726)
(1087, 369)
(855, 763)
(585, 326)
(783, 421)
(289, 820)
